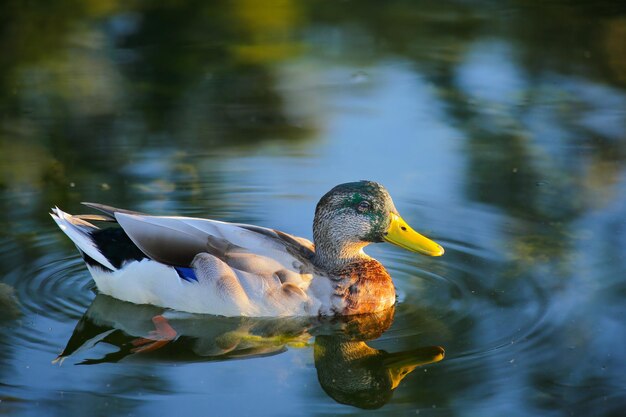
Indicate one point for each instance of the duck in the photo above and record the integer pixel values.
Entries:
(232, 269)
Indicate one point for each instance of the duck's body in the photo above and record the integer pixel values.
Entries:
(208, 266)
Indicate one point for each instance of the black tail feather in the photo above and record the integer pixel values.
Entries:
(94, 217)
(109, 210)
(116, 246)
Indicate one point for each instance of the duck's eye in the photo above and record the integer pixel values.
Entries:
(364, 206)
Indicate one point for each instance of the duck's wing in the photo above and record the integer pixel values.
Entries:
(177, 240)
(110, 211)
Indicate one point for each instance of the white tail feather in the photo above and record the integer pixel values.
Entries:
(76, 230)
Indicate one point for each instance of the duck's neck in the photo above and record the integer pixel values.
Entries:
(333, 254)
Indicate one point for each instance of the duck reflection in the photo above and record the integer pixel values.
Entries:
(349, 371)
(353, 373)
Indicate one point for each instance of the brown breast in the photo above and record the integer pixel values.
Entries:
(366, 287)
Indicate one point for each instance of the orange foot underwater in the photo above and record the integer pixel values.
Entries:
(156, 339)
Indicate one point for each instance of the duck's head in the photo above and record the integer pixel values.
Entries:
(354, 214)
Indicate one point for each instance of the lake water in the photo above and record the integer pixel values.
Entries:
(499, 128)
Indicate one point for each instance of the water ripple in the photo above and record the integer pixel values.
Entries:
(52, 286)
(449, 295)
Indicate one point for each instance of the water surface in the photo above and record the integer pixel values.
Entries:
(498, 128)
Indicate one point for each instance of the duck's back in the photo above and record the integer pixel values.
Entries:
(200, 266)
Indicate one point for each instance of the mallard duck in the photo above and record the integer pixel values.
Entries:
(208, 266)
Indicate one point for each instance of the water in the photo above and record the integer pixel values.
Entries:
(498, 127)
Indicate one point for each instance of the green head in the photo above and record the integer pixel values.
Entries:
(353, 214)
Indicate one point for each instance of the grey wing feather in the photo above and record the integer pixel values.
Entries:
(166, 244)
(110, 210)
(299, 247)
(176, 241)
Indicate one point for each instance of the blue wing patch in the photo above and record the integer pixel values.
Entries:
(188, 274)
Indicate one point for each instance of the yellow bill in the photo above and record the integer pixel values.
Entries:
(400, 233)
